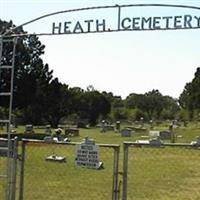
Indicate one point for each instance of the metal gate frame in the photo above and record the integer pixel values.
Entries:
(12, 160)
(115, 147)
(11, 168)
(127, 145)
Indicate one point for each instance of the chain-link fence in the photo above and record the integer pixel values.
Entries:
(8, 168)
(3, 179)
(43, 177)
(161, 172)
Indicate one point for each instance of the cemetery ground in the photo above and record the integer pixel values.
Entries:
(153, 173)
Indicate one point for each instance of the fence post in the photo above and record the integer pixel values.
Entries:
(115, 174)
(125, 171)
(14, 168)
(21, 181)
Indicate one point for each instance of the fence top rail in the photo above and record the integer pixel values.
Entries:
(6, 139)
(140, 144)
(67, 143)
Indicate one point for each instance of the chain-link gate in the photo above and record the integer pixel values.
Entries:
(161, 172)
(62, 179)
(8, 183)
(8, 148)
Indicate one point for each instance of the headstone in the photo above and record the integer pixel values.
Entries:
(58, 135)
(155, 142)
(142, 141)
(165, 135)
(48, 130)
(126, 132)
(29, 129)
(196, 143)
(48, 139)
(82, 124)
(103, 126)
(141, 121)
(87, 155)
(171, 129)
(55, 158)
(109, 127)
(71, 132)
(117, 127)
(154, 134)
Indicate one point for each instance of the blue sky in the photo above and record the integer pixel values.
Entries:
(122, 62)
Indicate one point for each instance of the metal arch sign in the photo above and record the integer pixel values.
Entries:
(133, 23)
(122, 22)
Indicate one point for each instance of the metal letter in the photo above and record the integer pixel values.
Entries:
(56, 27)
(176, 21)
(123, 23)
(103, 24)
(78, 28)
(167, 21)
(135, 22)
(187, 21)
(88, 24)
(144, 20)
(198, 20)
(66, 27)
(156, 23)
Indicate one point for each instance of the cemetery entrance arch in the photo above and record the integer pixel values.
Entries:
(122, 23)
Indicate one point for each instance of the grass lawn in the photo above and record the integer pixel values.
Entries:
(163, 173)
(153, 173)
(65, 180)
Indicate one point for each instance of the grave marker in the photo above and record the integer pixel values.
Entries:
(87, 154)
(126, 132)
(29, 129)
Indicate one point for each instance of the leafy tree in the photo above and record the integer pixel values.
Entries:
(93, 105)
(190, 97)
(154, 104)
(120, 113)
(150, 102)
(56, 102)
(30, 73)
(171, 108)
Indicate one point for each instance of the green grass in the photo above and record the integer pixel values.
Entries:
(166, 173)
(153, 173)
(65, 180)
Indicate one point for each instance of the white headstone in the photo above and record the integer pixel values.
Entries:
(154, 134)
(126, 132)
(87, 154)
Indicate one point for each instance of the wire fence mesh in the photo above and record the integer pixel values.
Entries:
(8, 165)
(170, 172)
(3, 179)
(62, 179)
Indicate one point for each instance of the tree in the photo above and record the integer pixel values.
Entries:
(171, 108)
(56, 102)
(154, 104)
(93, 105)
(190, 97)
(151, 103)
(31, 74)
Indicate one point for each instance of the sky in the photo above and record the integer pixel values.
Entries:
(117, 62)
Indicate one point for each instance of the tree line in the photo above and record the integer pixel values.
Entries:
(40, 98)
